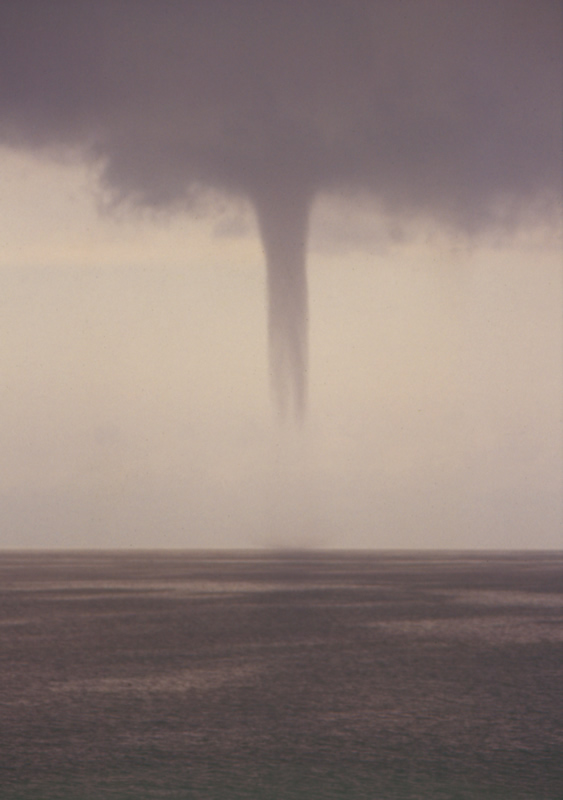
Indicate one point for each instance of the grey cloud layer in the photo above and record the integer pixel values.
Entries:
(439, 107)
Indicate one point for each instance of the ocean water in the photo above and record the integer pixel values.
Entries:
(381, 676)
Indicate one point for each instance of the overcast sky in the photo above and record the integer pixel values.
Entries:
(136, 409)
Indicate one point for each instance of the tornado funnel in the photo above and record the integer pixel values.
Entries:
(283, 218)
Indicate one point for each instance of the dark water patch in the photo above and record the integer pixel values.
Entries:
(377, 677)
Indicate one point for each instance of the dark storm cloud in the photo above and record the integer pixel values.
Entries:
(439, 107)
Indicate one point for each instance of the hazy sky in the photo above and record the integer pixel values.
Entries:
(135, 407)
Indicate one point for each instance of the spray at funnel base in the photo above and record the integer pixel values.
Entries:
(283, 218)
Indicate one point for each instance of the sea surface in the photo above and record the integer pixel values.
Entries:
(381, 676)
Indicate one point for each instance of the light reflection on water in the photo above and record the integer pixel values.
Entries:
(204, 679)
(494, 630)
